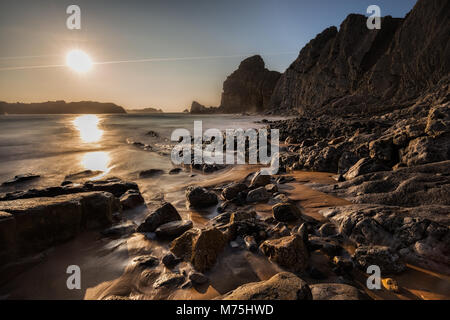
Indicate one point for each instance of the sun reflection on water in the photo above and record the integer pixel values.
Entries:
(87, 125)
(97, 161)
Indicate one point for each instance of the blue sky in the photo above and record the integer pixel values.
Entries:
(127, 30)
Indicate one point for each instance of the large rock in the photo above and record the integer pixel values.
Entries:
(335, 291)
(199, 197)
(249, 88)
(112, 185)
(258, 195)
(30, 225)
(232, 191)
(383, 257)
(131, 199)
(282, 286)
(363, 166)
(286, 212)
(260, 180)
(173, 229)
(289, 252)
(164, 214)
(201, 247)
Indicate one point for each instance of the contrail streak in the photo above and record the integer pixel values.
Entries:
(145, 60)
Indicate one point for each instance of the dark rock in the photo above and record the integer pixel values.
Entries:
(199, 197)
(364, 166)
(131, 199)
(200, 247)
(173, 229)
(147, 261)
(32, 225)
(150, 173)
(152, 134)
(21, 178)
(257, 195)
(198, 278)
(164, 214)
(272, 188)
(259, 180)
(233, 190)
(335, 291)
(175, 171)
(383, 257)
(285, 212)
(169, 280)
(327, 229)
(170, 261)
(282, 286)
(289, 252)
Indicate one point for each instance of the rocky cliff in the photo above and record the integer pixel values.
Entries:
(357, 70)
(249, 88)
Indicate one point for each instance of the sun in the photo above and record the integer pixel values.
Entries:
(78, 61)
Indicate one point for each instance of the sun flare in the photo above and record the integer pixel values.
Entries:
(79, 61)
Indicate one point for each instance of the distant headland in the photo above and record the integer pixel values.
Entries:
(60, 107)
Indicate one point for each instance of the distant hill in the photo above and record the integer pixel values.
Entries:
(145, 110)
(60, 107)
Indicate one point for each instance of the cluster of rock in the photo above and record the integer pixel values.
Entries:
(287, 238)
(393, 166)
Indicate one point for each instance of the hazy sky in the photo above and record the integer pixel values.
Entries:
(129, 30)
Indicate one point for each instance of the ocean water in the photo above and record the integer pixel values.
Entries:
(54, 146)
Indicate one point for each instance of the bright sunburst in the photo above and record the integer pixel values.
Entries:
(78, 61)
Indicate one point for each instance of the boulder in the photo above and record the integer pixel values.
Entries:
(363, 166)
(282, 286)
(164, 214)
(131, 199)
(285, 212)
(335, 291)
(199, 197)
(198, 278)
(381, 256)
(232, 191)
(201, 247)
(289, 252)
(173, 229)
(258, 195)
(259, 180)
(28, 226)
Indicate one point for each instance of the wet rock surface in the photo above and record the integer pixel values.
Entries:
(164, 214)
(282, 286)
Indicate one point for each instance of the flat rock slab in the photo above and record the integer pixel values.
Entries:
(31, 225)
